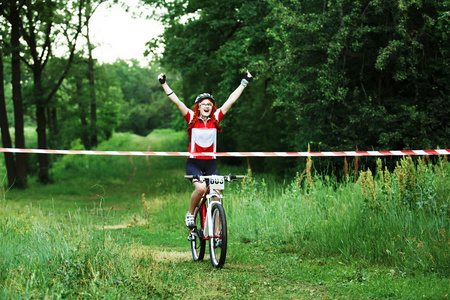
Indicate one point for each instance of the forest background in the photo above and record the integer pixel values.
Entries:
(329, 75)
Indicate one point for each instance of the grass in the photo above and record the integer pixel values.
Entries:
(112, 227)
(407, 227)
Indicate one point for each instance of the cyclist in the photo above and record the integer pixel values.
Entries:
(203, 124)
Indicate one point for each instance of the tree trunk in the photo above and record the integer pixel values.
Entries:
(94, 139)
(41, 123)
(52, 126)
(53, 117)
(85, 136)
(21, 164)
(4, 125)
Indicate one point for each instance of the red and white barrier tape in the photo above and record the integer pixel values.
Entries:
(234, 154)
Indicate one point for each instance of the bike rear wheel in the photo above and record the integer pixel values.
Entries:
(218, 243)
(198, 244)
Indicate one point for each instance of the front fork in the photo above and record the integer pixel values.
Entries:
(208, 220)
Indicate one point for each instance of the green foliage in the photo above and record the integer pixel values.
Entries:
(71, 112)
(361, 73)
(335, 74)
(144, 106)
(128, 98)
(211, 44)
(90, 167)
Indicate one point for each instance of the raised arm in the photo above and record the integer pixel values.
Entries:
(237, 93)
(172, 96)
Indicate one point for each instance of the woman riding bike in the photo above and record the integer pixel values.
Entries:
(203, 124)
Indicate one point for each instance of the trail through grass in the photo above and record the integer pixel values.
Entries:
(112, 227)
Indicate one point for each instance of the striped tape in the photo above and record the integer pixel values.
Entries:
(234, 154)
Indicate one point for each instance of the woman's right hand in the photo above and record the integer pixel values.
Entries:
(162, 78)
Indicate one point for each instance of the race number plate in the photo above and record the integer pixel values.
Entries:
(217, 183)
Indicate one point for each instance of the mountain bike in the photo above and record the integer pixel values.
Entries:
(210, 220)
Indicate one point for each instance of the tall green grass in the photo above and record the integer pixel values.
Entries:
(48, 257)
(400, 219)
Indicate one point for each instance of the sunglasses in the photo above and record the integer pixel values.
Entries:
(207, 104)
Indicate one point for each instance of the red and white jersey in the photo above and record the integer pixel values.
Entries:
(203, 135)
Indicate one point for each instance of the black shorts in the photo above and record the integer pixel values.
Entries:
(196, 166)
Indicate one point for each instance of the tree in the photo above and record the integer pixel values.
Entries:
(366, 73)
(337, 74)
(43, 21)
(73, 102)
(4, 126)
(10, 10)
(91, 7)
(144, 107)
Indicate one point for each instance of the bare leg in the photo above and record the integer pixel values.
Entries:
(196, 195)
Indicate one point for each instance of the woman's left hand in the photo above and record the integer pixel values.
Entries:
(248, 76)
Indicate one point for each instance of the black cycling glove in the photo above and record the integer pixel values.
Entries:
(162, 78)
(246, 77)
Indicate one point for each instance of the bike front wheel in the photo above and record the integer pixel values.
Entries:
(198, 244)
(218, 242)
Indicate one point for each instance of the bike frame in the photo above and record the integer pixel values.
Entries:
(210, 197)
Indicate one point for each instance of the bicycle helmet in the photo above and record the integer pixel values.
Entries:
(205, 96)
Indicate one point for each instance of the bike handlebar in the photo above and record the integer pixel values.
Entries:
(226, 177)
